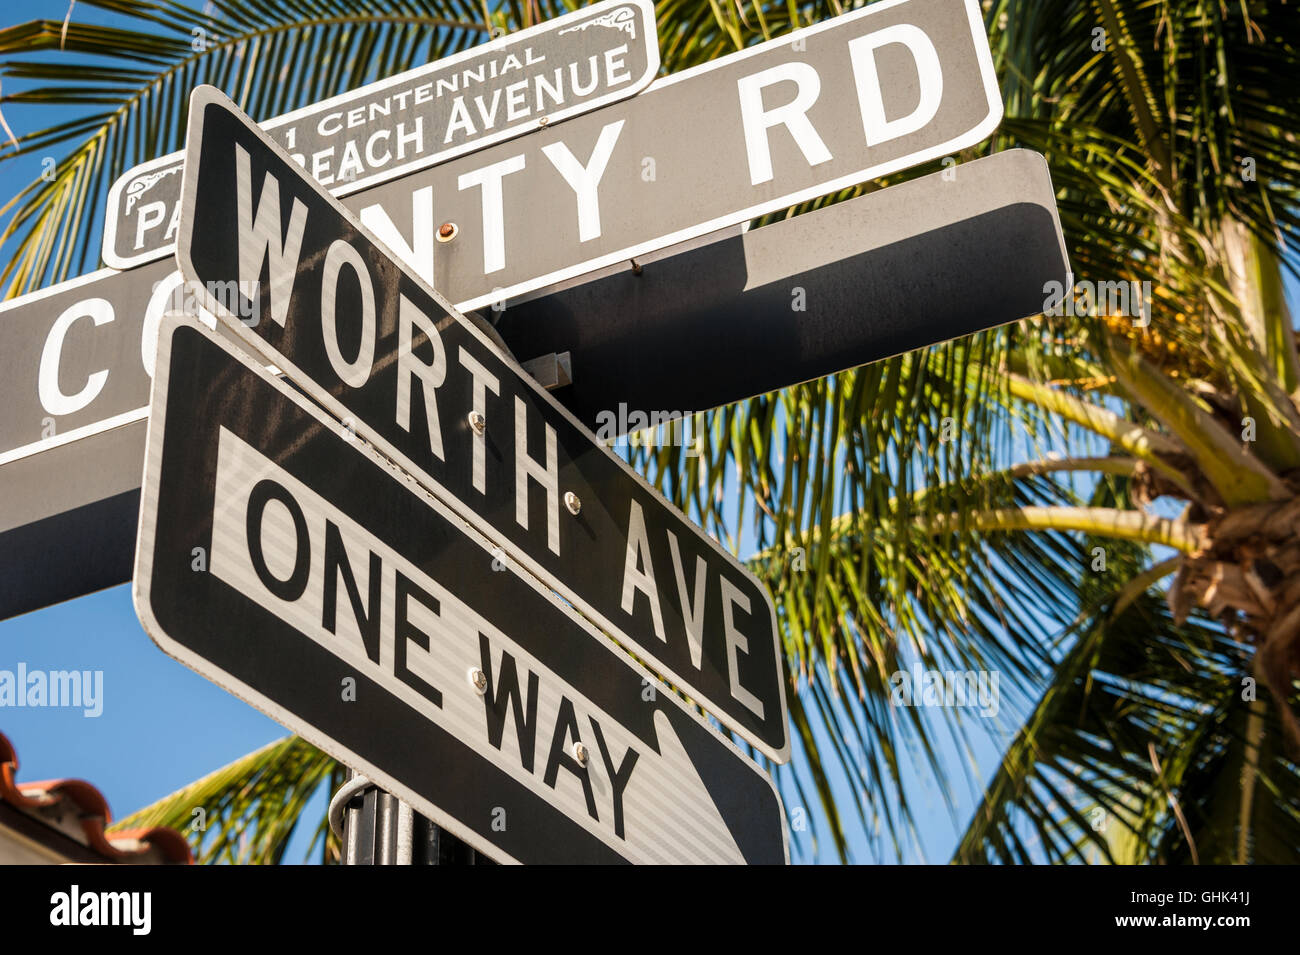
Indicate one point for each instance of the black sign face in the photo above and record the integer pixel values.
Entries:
(283, 262)
(296, 568)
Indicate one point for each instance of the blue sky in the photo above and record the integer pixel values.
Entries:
(163, 726)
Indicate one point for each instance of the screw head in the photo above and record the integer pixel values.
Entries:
(477, 422)
(478, 680)
(572, 503)
(580, 753)
(447, 231)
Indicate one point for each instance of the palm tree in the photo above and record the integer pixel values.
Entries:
(1099, 507)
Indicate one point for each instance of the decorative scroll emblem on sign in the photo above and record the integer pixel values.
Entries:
(142, 185)
(624, 18)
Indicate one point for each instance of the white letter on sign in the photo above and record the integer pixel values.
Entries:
(165, 299)
(484, 381)
(862, 52)
(692, 612)
(584, 180)
(99, 311)
(260, 239)
(151, 214)
(418, 253)
(547, 474)
(634, 579)
(494, 216)
(355, 373)
(737, 642)
(409, 317)
(793, 116)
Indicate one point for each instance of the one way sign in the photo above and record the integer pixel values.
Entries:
(299, 570)
(282, 262)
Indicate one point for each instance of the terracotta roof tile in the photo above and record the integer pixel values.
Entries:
(49, 802)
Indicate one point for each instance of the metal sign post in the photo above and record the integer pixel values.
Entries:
(377, 828)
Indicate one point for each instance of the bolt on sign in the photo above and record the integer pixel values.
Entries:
(511, 85)
(295, 567)
(308, 288)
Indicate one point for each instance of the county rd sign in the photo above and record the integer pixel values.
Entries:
(297, 569)
(859, 96)
(856, 97)
(407, 122)
(390, 357)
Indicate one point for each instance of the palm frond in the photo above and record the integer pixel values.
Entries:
(247, 811)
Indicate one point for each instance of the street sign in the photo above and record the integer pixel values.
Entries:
(73, 357)
(295, 567)
(46, 445)
(956, 252)
(971, 247)
(314, 293)
(489, 93)
(74, 368)
(67, 519)
(853, 98)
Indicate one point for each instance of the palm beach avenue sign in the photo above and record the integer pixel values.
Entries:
(391, 358)
(520, 82)
(362, 614)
